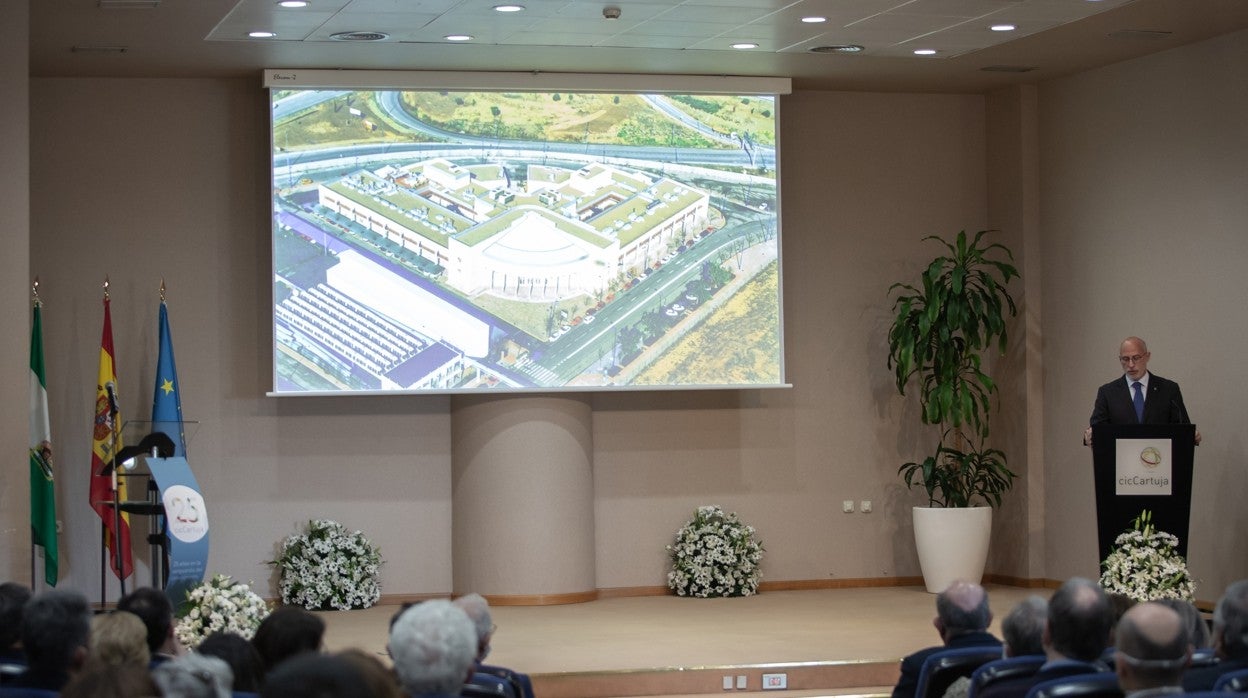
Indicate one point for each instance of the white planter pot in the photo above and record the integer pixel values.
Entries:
(952, 544)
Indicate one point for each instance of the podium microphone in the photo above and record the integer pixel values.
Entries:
(112, 399)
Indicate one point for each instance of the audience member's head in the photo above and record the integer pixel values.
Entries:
(1022, 629)
(287, 632)
(1119, 604)
(316, 676)
(960, 609)
(478, 610)
(56, 631)
(154, 609)
(119, 638)
(378, 678)
(1152, 648)
(1079, 621)
(236, 651)
(1230, 622)
(193, 676)
(13, 598)
(1197, 630)
(433, 646)
(112, 681)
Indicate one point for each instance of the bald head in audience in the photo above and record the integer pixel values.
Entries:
(1080, 620)
(960, 609)
(1152, 648)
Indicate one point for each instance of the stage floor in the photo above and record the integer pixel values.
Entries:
(839, 641)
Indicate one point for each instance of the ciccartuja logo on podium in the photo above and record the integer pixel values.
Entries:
(186, 514)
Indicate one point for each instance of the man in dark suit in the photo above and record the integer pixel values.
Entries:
(1230, 639)
(962, 619)
(1075, 635)
(1139, 397)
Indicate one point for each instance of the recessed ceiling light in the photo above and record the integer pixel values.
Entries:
(293, 3)
(838, 48)
(457, 37)
(261, 35)
(359, 36)
(744, 45)
(1003, 27)
(509, 8)
(925, 52)
(814, 20)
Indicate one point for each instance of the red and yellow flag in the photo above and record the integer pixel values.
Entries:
(106, 441)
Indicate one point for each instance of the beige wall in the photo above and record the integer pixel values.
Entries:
(1145, 231)
(876, 173)
(14, 290)
(144, 178)
(1139, 163)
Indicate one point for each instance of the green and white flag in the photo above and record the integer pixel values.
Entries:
(42, 492)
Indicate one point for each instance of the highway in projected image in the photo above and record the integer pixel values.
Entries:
(448, 241)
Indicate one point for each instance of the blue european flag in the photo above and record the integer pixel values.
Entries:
(167, 403)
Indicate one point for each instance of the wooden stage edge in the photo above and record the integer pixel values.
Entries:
(790, 585)
(856, 678)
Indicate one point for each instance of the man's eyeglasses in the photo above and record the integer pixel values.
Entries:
(1131, 359)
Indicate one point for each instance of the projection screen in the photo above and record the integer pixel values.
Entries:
(468, 232)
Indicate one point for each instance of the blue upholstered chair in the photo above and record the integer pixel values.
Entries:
(13, 692)
(1002, 669)
(946, 666)
(1097, 685)
(1233, 682)
(519, 681)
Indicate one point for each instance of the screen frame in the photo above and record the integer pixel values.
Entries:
(312, 79)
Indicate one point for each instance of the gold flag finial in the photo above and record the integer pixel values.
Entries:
(34, 291)
(106, 287)
(162, 289)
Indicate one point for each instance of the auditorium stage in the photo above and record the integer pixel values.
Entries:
(826, 642)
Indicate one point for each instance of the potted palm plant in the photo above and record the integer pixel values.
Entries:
(941, 330)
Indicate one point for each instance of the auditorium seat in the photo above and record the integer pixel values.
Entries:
(519, 681)
(15, 692)
(1233, 682)
(1099, 685)
(1203, 657)
(1001, 669)
(946, 666)
(476, 690)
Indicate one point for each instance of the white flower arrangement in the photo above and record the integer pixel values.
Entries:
(1146, 565)
(329, 568)
(715, 555)
(219, 605)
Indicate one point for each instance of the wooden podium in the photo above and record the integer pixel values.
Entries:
(1138, 467)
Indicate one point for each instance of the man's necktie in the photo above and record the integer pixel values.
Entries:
(1139, 401)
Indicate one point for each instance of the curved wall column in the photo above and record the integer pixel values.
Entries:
(523, 499)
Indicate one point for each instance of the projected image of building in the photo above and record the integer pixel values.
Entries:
(565, 233)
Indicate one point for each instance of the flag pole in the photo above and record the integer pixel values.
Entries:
(115, 437)
(34, 292)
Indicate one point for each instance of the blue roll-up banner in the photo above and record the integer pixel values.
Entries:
(186, 522)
